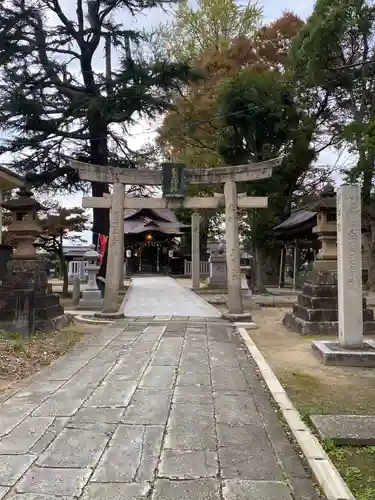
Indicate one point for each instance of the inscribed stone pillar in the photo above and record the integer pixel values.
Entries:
(349, 266)
(76, 294)
(116, 234)
(195, 257)
(1, 217)
(122, 252)
(233, 249)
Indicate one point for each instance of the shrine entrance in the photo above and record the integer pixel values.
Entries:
(150, 235)
(150, 257)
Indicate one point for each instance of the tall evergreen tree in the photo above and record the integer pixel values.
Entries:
(56, 100)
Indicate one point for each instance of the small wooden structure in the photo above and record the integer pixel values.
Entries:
(299, 242)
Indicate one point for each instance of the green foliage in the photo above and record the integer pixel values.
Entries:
(334, 54)
(56, 104)
(259, 122)
(258, 116)
(18, 345)
(209, 27)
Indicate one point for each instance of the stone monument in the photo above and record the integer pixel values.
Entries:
(24, 290)
(316, 312)
(195, 254)
(350, 349)
(218, 268)
(76, 293)
(91, 296)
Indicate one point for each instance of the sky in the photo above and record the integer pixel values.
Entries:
(139, 134)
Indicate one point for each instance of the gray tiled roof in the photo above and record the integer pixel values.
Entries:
(296, 219)
(143, 220)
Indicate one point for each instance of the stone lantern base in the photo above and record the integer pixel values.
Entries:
(25, 304)
(316, 312)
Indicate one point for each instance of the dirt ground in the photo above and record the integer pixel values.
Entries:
(331, 389)
(318, 389)
(20, 358)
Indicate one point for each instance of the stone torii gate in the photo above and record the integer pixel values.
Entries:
(227, 175)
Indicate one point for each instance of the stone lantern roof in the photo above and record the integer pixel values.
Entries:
(325, 202)
(24, 201)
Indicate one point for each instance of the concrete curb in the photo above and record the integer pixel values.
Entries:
(326, 474)
(126, 298)
(83, 319)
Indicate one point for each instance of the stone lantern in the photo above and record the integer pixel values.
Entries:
(26, 303)
(325, 208)
(25, 227)
(316, 311)
(92, 296)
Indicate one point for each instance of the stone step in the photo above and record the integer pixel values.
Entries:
(322, 302)
(346, 430)
(317, 328)
(325, 314)
(322, 291)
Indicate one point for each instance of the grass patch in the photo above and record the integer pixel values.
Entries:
(312, 397)
(357, 467)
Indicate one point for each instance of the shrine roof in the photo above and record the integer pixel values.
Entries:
(10, 180)
(142, 220)
(159, 213)
(299, 221)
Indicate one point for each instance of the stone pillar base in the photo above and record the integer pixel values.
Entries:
(26, 304)
(331, 353)
(91, 301)
(237, 317)
(103, 315)
(218, 286)
(316, 312)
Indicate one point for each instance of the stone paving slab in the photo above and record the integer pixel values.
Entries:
(3, 491)
(60, 482)
(234, 489)
(346, 429)
(158, 411)
(163, 296)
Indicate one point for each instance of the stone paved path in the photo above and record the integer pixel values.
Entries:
(161, 411)
(165, 297)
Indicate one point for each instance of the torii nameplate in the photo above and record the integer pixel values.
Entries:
(217, 175)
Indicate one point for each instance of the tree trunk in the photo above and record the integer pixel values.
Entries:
(99, 156)
(64, 272)
(259, 270)
(271, 265)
